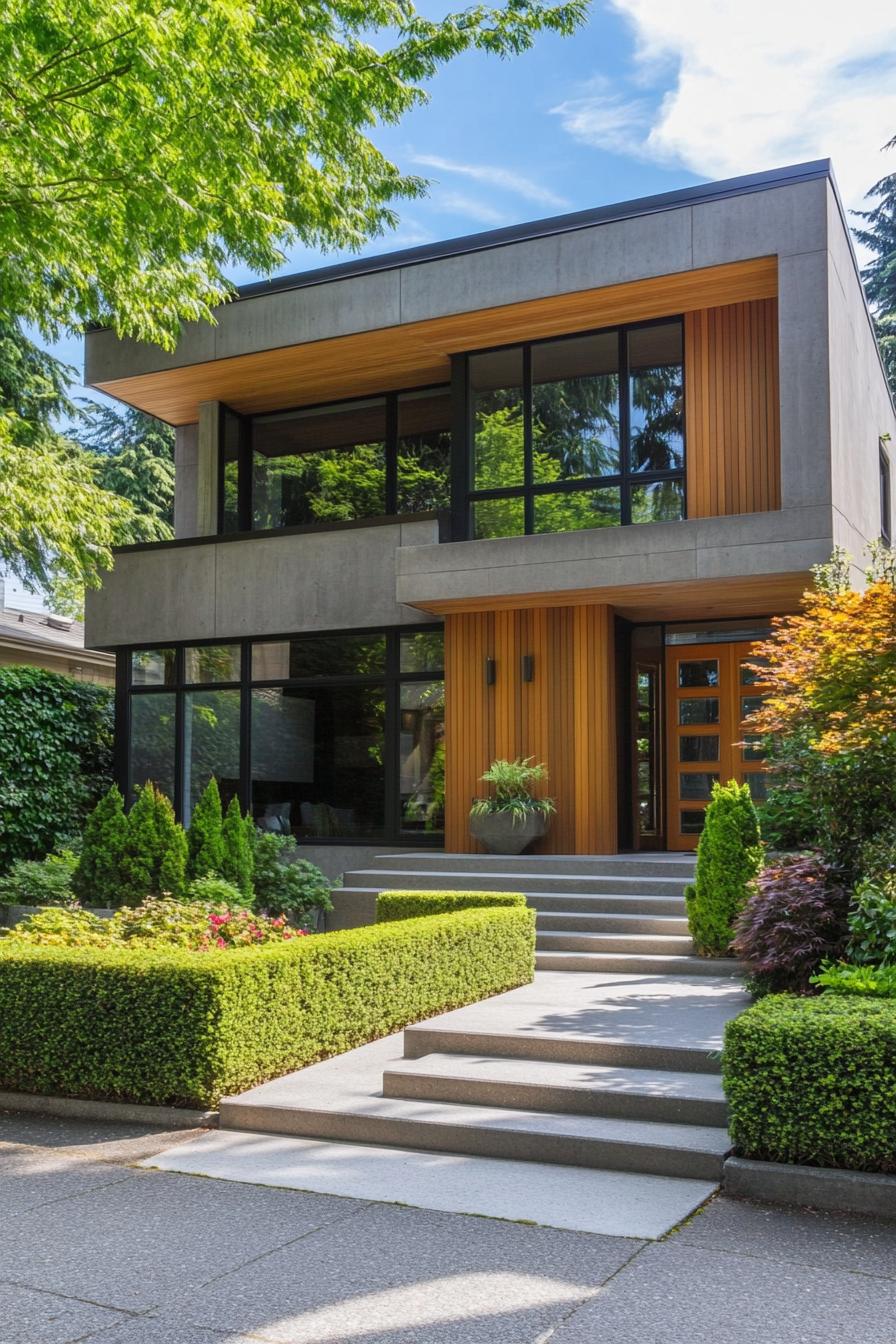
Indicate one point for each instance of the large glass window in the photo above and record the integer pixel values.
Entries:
(424, 452)
(581, 432)
(211, 745)
(337, 463)
(318, 765)
(319, 465)
(330, 736)
(152, 754)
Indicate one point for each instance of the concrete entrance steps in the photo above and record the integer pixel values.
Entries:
(612, 1072)
(622, 913)
(547, 1085)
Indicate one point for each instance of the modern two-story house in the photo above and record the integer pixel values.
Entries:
(533, 492)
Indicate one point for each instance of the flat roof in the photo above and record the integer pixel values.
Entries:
(543, 228)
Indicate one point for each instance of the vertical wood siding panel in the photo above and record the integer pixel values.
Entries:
(732, 412)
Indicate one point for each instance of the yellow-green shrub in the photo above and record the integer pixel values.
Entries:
(411, 904)
(813, 1081)
(178, 1027)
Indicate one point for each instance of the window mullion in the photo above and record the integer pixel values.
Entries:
(391, 500)
(625, 502)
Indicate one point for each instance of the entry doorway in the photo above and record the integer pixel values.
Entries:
(710, 691)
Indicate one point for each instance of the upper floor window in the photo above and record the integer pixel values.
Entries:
(886, 522)
(338, 463)
(581, 432)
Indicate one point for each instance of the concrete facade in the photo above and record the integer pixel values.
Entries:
(270, 585)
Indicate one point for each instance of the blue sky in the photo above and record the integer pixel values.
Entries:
(650, 96)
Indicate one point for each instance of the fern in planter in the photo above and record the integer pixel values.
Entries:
(511, 817)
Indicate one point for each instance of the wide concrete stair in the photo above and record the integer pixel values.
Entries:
(615, 913)
(613, 1064)
(619, 1073)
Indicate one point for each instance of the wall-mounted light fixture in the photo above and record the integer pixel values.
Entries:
(527, 667)
(491, 671)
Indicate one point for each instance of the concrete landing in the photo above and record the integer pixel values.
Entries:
(672, 1022)
(620, 1204)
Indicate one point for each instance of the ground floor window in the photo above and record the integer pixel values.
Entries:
(335, 736)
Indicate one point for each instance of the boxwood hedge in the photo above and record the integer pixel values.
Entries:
(410, 904)
(813, 1081)
(173, 1027)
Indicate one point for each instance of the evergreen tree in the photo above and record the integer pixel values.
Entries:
(206, 845)
(154, 854)
(97, 878)
(171, 850)
(237, 861)
(729, 856)
(879, 237)
(139, 849)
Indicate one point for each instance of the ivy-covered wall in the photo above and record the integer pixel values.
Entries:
(55, 759)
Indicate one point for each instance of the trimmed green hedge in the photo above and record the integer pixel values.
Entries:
(411, 904)
(813, 1081)
(188, 1028)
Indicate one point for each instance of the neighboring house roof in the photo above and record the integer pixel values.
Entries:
(26, 634)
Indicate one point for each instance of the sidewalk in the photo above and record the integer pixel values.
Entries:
(95, 1249)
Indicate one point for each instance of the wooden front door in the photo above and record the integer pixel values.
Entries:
(709, 693)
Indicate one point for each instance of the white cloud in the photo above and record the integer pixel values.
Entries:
(753, 87)
(456, 203)
(502, 178)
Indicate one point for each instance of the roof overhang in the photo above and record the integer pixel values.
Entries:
(409, 354)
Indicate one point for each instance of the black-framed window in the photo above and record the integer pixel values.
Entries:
(328, 736)
(581, 431)
(338, 462)
(886, 520)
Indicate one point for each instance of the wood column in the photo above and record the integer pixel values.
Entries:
(564, 716)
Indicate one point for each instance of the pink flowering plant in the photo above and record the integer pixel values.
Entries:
(194, 926)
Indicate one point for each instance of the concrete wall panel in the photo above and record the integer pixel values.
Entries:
(186, 466)
(804, 379)
(786, 220)
(156, 595)
(609, 254)
(861, 410)
(261, 586)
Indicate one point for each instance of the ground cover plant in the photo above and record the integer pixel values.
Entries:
(166, 1025)
(196, 925)
(729, 856)
(46, 883)
(813, 1081)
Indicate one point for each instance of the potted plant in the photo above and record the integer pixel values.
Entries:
(511, 818)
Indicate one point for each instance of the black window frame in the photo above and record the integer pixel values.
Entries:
(391, 678)
(465, 496)
(886, 495)
(391, 402)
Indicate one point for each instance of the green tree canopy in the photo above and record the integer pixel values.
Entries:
(144, 150)
(134, 459)
(879, 236)
(57, 523)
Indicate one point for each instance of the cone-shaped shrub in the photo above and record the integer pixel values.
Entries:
(206, 845)
(155, 849)
(172, 850)
(237, 865)
(729, 856)
(97, 878)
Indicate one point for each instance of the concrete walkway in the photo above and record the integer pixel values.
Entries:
(94, 1249)
(586, 1101)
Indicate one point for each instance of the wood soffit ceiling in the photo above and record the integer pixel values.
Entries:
(414, 354)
